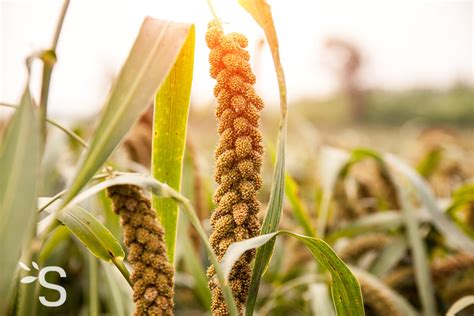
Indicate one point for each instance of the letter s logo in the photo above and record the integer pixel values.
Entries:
(46, 284)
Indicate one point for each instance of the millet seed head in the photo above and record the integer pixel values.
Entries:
(238, 158)
(152, 275)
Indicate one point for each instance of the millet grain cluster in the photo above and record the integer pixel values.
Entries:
(238, 159)
(152, 275)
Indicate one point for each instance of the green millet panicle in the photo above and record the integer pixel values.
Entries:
(152, 275)
(238, 159)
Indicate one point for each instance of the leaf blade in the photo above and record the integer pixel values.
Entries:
(151, 58)
(89, 230)
(422, 271)
(19, 172)
(346, 291)
(261, 13)
(454, 235)
(169, 136)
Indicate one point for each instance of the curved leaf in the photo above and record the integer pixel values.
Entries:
(89, 230)
(261, 13)
(298, 207)
(346, 292)
(453, 235)
(151, 59)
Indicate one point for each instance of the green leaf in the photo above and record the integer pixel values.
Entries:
(19, 173)
(346, 294)
(430, 162)
(151, 59)
(424, 282)
(114, 301)
(332, 161)
(111, 220)
(461, 199)
(261, 12)
(335, 166)
(93, 299)
(453, 234)
(298, 207)
(87, 228)
(169, 136)
(192, 263)
(390, 257)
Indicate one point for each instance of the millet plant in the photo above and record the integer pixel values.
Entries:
(114, 224)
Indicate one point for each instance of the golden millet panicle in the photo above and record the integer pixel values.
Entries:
(152, 275)
(238, 158)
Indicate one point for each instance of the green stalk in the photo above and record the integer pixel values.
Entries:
(93, 286)
(49, 59)
(55, 123)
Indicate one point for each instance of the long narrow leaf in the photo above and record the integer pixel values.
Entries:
(332, 160)
(424, 282)
(114, 299)
(87, 228)
(169, 136)
(347, 297)
(19, 172)
(192, 263)
(449, 230)
(298, 207)
(261, 13)
(390, 257)
(151, 59)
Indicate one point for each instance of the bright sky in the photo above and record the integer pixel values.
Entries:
(404, 44)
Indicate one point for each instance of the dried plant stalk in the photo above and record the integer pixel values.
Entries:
(238, 158)
(152, 275)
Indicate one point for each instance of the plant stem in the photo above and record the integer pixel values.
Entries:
(213, 11)
(121, 267)
(93, 286)
(66, 130)
(59, 26)
(49, 59)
